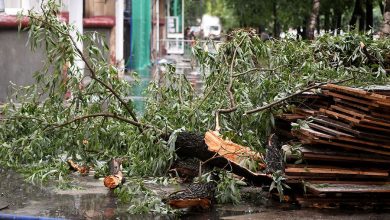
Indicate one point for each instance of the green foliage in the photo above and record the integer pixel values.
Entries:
(31, 131)
(40, 130)
(141, 198)
(228, 189)
(278, 183)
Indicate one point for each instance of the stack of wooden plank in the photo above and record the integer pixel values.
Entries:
(344, 143)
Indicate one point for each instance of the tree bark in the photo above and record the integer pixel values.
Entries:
(318, 25)
(313, 18)
(369, 15)
(338, 21)
(276, 21)
(386, 20)
(115, 178)
(326, 22)
(362, 20)
(193, 145)
(357, 13)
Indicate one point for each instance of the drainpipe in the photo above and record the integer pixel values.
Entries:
(2, 6)
(76, 19)
(158, 28)
(119, 10)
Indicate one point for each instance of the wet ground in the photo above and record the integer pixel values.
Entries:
(94, 201)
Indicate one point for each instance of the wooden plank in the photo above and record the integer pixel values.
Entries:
(313, 153)
(326, 157)
(351, 104)
(372, 127)
(304, 139)
(346, 188)
(355, 122)
(368, 143)
(375, 137)
(314, 133)
(334, 124)
(333, 172)
(351, 147)
(342, 182)
(306, 112)
(383, 103)
(356, 92)
(357, 113)
(352, 99)
(348, 111)
(328, 130)
(338, 116)
(380, 115)
(370, 120)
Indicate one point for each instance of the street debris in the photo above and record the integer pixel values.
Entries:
(83, 170)
(115, 178)
(342, 147)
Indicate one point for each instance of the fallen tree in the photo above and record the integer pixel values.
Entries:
(194, 145)
(99, 120)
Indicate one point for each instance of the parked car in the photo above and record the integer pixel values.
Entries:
(211, 27)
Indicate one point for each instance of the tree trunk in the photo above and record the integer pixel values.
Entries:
(386, 19)
(326, 22)
(369, 15)
(381, 6)
(338, 21)
(318, 25)
(357, 12)
(193, 145)
(276, 21)
(313, 18)
(333, 24)
(362, 20)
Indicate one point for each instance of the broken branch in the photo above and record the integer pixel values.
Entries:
(93, 72)
(276, 103)
(229, 90)
(107, 115)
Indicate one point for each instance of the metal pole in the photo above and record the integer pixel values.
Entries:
(2, 6)
(158, 28)
(119, 10)
(76, 18)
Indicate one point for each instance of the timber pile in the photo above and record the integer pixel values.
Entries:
(345, 146)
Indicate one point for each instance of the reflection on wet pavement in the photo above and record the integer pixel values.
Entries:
(94, 201)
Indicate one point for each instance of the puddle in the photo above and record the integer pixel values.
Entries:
(94, 201)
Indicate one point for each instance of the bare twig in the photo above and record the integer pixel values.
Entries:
(258, 69)
(106, 115)
(276, 103)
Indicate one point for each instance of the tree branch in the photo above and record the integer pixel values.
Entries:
(258, 69)
(107, 115)
(229, 90)
(93, 72)
(276, 103)
(94, 76)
